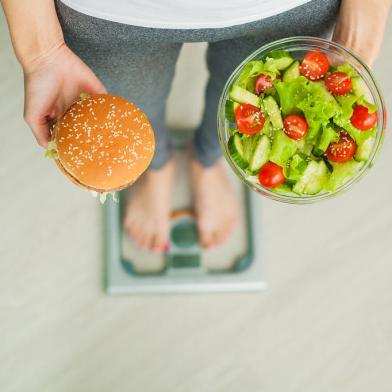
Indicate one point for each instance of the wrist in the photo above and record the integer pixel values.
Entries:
(40, 54)
(34, 29)
(40, 45)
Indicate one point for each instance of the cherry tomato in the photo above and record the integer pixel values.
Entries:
(362, 119)
(343, 149)
(263, 82)
(295, 127)
(249, 119)
(271, 175)
(314, 65)
(338, 83)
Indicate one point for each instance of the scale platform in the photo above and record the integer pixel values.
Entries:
(234, 266)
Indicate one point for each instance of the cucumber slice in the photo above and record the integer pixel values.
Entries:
(282, 188)
(342, 172)
(358, 86)
(248, 142)
(240, 95)
(292, 72)
(236, 151)
(283, 148)
(273, 112)
(267, 128)
(278, 59)
(313, 180)
(260, 153)
(230, 108)
(304, 146)
(364, 149)
(278, 54)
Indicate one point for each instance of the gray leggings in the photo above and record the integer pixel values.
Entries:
(138, 63)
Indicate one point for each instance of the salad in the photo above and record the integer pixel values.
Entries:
(299, 126)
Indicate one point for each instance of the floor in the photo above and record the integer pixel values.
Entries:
(324, 323)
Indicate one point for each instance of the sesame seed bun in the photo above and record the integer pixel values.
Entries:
(103, 143)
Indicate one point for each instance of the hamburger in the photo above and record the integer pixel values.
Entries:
(102, 143)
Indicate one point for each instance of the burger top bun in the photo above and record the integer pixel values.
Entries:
(103, 143)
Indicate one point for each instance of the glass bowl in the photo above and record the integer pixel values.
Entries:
(337, 54)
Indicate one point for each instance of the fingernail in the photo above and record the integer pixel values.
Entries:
(166, 248)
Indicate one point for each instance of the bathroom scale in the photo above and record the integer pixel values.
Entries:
(235, 265)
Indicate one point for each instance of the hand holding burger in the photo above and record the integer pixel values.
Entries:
(102, 143)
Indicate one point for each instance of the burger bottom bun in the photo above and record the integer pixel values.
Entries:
(86, 187)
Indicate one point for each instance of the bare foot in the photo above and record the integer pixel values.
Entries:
(148, 209)
(216, 206)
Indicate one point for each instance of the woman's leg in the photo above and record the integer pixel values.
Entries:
(214, 202)
(141, 70)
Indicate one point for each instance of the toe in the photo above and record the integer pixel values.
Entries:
(134, 234)
(130, 231)
(203, 240)
(227, 230)
(159, 242)
(217, 237)
(223, 236)
(206, 238)
(138, 236)
(148, 242)
(144, 242)
(139, 240)
(130, 225)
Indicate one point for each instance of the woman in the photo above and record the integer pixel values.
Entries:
(130, 48)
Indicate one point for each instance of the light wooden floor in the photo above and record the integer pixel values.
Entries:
(324, 324)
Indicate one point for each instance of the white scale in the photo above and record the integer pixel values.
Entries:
(234, 266)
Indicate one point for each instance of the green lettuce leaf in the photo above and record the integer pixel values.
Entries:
(248, 75)
(356, 134)
(327, 136)
(342, 172)
(296, 167)
(312, 100)
(346, 103)
(291, 94)
(371, 106)
(342, 119)
(283, 148)
(51, 151)
(348, 69)
(278, 54)
(301, 96)
(318, 107)
(270, 66)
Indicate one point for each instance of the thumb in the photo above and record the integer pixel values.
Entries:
(93, 85)
(40, 127)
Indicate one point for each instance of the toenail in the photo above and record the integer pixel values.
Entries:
(166, 248)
